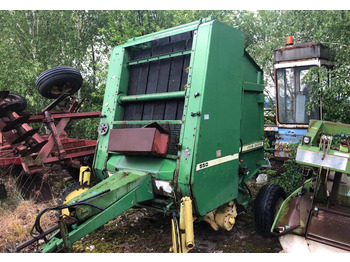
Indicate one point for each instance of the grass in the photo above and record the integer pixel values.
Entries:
(17, 215)
(15, 225)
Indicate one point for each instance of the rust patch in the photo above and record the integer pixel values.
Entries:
(125, 174)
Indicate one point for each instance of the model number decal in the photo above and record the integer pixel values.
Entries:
(252, 146)
(215, 162)
(203, 165)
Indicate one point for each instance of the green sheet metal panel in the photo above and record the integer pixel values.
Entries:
(160, 168)
(117, 80)
(313, 154)
(252, 118)
(118, 84)
(217, 76)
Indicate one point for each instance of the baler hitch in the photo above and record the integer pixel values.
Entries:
(42, 234)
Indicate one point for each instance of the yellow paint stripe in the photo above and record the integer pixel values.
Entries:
(215, 162)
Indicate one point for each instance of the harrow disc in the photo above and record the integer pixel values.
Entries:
(37, 147)
(6, 108)
(25, 135)
(12, 124)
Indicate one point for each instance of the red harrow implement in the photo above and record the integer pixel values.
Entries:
(20, 144)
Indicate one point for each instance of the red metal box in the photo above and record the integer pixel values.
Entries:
(146, 140)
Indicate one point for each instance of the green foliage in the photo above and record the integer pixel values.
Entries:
(269, 172)
(83, 129)
(267, 146)
(291, 179)
(35, 40)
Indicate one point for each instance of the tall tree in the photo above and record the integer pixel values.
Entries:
(33, 41)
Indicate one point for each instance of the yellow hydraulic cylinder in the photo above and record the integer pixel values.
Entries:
(182, 235)
(183, 229)
(84, 175)
(188, 219)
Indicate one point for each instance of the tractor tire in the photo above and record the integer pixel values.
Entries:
(58, 80)
(16, 99)
(266, 206)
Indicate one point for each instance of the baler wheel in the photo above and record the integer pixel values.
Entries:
(267, 204)
(59, 80)
(70, 193)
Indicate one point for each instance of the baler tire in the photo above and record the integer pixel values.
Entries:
(265, 206)
(16, 99)
(58, 80)
(67, 196)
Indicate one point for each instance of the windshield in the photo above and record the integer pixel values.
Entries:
(293, 96)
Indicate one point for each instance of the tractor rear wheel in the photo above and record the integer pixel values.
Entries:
(58, 80)
(267, 204)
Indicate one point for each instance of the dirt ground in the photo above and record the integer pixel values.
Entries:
(146, 231)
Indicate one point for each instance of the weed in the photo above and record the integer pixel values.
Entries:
(17, 215)
(15, 225)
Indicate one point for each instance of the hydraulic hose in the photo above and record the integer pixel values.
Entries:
(80, 203)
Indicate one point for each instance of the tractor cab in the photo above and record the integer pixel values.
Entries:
(297, 71)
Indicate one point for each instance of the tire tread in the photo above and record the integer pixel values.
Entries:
(265, 206)
(53, 75)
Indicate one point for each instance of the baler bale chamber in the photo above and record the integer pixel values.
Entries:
(182, 120)
(198, 84)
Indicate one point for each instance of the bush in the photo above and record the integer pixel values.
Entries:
(291, 179)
